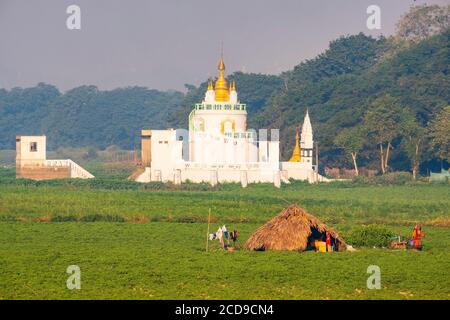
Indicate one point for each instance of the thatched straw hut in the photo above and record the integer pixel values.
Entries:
(292, 229)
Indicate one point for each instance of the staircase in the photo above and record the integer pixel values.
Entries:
(76, 171)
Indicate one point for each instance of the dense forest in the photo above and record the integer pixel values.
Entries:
(359, 86)
(380, 103)
(84, 116)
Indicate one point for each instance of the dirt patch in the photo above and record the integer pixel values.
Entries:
(138, 219)
(42, 219)
(439, 222)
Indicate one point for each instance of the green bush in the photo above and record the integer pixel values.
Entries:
(62, 218)
(7, 173)
(102, 217)
(370, 236)
(190, 219)
(8, 217)
(391, 178)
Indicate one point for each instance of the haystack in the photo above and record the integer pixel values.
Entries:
(292, 229)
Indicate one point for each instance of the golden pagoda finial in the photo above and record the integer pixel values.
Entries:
(222, 93)
(221, 64)
(210, 85)
(232, 86)
(296, 153)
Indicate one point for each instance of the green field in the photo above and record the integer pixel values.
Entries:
(136, 243)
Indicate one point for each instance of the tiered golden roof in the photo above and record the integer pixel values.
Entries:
(222, 93)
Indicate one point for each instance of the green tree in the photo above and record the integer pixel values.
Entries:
(352, 141)
(382, 124)
(423, 21)
(439, 134)
(412, 140)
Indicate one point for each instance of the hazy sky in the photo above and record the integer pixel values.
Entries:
(167, 43)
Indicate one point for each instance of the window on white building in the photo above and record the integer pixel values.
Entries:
(33, 146)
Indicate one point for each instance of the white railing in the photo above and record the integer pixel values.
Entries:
(76, 171)
(221, 107)
(215, 166)
(240, 135)
(57, 163)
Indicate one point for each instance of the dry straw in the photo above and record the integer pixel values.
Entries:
(290, 230)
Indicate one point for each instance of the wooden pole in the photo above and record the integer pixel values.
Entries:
(317, 162)
(207, 233)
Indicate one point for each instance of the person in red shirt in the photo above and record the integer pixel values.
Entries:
(328, 242)
(417, 237)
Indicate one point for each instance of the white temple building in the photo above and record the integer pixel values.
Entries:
(219, 148)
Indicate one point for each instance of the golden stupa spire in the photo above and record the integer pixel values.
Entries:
(222, 93)
(296, 153)
(232, 87)
(210, 85)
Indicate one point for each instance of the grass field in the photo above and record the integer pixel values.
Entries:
(136, 243)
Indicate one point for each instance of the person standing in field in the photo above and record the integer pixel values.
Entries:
(328, 242)
(417, 236)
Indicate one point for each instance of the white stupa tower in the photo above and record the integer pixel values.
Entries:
(210, 95)
(218, 126)
(306, 141)
(218, 147)
(233, 93)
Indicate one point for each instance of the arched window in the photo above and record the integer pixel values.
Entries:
(227, 126)
(199, 124)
